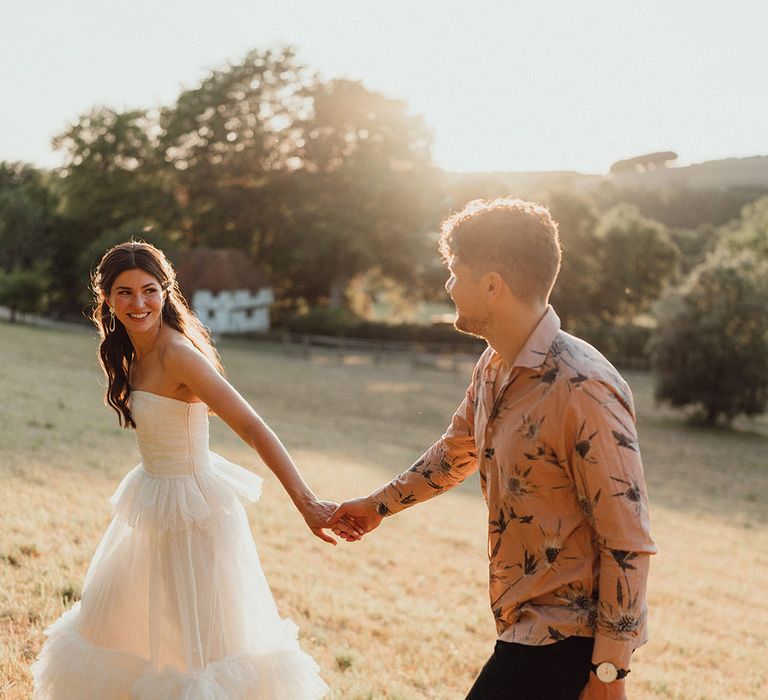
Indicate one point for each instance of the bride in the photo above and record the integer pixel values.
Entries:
(175, 604)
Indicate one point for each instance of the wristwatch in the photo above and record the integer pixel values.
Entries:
(607, 672)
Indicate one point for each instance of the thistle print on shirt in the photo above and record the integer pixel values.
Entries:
(499, 526)
(631, 493)
(519, 487)
(404, 499)
(587, 506)
(548, 375)
(530, 427)
(583, 445)
(581, 603)
(552, 546)
(623, 620)
(509, 575)
(624, 441)
(425, 473)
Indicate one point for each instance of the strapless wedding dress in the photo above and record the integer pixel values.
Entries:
(175, 605)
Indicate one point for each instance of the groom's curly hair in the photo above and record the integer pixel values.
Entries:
(515, 238)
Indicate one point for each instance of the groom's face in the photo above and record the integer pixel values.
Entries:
(465, 287)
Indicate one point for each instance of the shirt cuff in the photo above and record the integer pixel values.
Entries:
(607, 649)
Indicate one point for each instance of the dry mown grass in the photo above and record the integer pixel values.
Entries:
(403, 614)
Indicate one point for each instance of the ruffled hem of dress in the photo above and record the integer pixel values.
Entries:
(69, 667)
(164, 503)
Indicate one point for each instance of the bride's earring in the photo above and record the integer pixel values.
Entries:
(111, 326)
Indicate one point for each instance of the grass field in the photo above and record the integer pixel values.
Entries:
(404, 614)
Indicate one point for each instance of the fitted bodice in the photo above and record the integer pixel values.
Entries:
(172, 435)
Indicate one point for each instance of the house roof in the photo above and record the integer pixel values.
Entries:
(216, 269)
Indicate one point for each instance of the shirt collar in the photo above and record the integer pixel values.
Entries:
(536, 348)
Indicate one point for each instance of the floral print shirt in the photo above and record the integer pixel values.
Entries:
(555, 442)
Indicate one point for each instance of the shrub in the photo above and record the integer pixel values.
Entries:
(321, 321)
(625, 345)
(343, 323)
(710, 347)
(23, 291)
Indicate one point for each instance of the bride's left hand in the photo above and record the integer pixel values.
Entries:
(318, 513)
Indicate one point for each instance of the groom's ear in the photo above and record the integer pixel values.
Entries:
(493, 284)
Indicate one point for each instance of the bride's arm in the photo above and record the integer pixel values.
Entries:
(184, 364)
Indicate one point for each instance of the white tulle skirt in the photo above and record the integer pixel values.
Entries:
(175, 604)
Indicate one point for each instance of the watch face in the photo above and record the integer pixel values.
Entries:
(607, 672)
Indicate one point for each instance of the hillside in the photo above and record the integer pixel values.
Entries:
(709, 175)
(749, 172)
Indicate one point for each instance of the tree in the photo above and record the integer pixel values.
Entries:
(23, 291)
(710, 347)
(194, 170)
(694, 245)
(33, 238)
(365, 195)
(644, 163)
(316, 181)
(578, 284)
(636, 258)
(112, 172)
(27, 216)
(227, 141)
(749, 231)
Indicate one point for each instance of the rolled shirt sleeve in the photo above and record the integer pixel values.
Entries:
(609, 481)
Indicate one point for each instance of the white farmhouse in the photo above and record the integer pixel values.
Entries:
(225, 290)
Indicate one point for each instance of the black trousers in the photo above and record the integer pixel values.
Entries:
(556, 671)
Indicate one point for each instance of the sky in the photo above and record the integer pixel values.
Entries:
(512, 85)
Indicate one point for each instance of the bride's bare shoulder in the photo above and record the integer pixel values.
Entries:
(181, 356)
(177, 347)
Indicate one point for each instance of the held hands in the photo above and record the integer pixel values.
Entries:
(349, 521)
(358, 512)
(318, 515)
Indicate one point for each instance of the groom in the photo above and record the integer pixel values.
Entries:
(550, 425)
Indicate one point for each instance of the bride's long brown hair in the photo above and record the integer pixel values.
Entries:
(116, 352)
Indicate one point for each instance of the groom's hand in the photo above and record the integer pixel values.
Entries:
(361, 511)
(597, 690)
(317, 515)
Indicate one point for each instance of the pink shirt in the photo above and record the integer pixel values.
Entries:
(555, 442)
